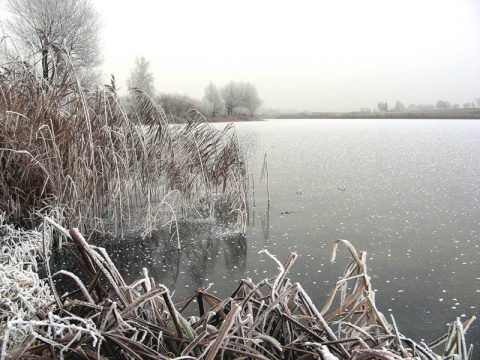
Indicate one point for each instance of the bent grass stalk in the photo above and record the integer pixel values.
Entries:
(273, 319)
(270, 320)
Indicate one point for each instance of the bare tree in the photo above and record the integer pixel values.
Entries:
(177, 105)
(425, 107)
(250, 97)
(477, 100)
(382, 106)
(442, 104)
(240, 95)
(212, 100)
(141, 77)
(399, 107)
(230, 97)
(53, 32)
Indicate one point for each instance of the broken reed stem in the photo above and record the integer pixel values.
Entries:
(273, 319)
(223, 332)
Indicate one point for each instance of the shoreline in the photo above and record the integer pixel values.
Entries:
(431, 114)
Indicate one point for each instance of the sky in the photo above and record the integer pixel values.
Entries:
(304, 55)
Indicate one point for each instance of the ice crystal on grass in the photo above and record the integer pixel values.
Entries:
(273, 319)
(22, 292)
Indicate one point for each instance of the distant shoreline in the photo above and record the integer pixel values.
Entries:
(430, 114)
(452, 114)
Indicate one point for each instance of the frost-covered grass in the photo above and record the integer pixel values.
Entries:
(272, 319)
(22, 292)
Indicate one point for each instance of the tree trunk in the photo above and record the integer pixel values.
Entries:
(45, 63)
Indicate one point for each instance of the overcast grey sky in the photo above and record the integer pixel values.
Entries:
(317, 55)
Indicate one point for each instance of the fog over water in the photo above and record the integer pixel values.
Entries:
(308, 55)
(321, 55)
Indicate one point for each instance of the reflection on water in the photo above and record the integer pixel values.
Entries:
(265, 218)
(205, 249)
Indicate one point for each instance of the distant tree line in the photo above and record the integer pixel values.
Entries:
(440, 104)
(234, 98)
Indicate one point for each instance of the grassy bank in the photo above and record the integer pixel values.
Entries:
(104, 317)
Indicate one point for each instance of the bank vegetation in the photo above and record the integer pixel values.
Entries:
(84, 157)
(470, 113)
(104, 317)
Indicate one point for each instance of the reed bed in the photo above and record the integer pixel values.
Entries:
(97, 164)
(273, 319)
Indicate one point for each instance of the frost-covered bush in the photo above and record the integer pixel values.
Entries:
(22, 292)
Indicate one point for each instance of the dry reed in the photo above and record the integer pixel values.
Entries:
(272, 319)
(86, 156)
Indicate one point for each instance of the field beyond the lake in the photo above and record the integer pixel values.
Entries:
(473, 113)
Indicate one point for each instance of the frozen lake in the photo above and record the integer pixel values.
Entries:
(405, 191)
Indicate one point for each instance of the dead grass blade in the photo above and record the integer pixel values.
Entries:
(273, 319)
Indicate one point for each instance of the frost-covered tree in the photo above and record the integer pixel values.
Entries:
(54, 32)
(442, 104)
(382, 106)
(250, 98)
(425, 107)
(212, 100)
(230, 97)
(399, 107)
(177, 105)
(240, 95)
(141, 77)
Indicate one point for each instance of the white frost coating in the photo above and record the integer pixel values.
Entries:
(280, 269)
(79, 284)
(57, 326)
(21, 289)
(327, 355)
